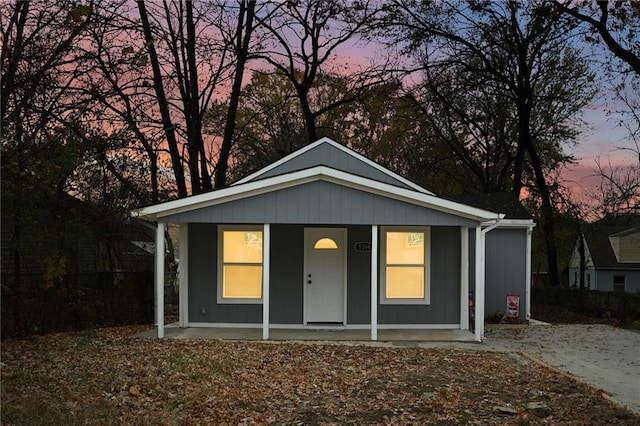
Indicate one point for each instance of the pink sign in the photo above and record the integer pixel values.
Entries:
(513, 307)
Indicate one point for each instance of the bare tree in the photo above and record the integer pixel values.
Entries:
(163, 105)
(522, 50)
(243, 33)
(38, 71)
(616, 23)
(197, 51)
(306, 36)
(618, 190)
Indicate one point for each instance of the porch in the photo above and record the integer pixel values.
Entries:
(290, 310)
(173, 331)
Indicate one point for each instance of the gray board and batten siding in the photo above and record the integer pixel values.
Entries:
(203, 268)
(286, 280)
(328, 155)
(505, 269)
(319, 203)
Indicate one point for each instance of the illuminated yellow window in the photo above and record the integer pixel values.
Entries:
(241, 264)
(406, 278)
(325, 244)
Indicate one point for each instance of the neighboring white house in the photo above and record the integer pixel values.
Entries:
(611, 259)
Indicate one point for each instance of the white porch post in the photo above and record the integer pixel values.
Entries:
(160, 279)
(464, 278)
(374, 282)
(266, 246)
(528, 277)
(479, 291)
(183, 279)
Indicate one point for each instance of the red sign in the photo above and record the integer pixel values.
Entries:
(513, 307)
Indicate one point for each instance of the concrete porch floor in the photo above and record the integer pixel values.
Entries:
(172, 331)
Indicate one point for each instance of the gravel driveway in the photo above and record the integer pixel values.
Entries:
(606, 357)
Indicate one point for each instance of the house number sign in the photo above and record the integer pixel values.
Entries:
(362, 246)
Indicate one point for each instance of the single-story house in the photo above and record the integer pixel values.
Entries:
(611, 258)
(326, 237)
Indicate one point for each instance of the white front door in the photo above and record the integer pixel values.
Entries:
(325, 274)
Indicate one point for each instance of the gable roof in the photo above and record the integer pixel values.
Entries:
(327, 152)
(625, 232)
(318, 173)
(599, 246)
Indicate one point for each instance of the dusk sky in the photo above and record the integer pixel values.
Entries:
(601, 136)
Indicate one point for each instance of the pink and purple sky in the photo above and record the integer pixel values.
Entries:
(601, 138)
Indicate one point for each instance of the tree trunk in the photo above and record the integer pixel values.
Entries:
(309, 119)
(524, 94)
(10, 59)
(524, 139)
(583, 261)
(163, 104)
(247, 8)
(518, 170)
(200, 179)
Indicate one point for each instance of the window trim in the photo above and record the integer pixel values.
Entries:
(426, 300)
(623, 283)
(221, 300)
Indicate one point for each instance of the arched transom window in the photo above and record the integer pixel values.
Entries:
(325, 244)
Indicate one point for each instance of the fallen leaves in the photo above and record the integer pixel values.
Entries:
(108, 377)
(134, 391)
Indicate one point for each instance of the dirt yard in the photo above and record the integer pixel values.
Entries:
(106, 377)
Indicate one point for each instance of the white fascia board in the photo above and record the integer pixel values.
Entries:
(413, 197)
(344, 149)
(224, 195)
(378, 167)
(514, 223)
(310, 175)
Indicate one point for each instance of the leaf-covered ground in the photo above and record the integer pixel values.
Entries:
(106, 377)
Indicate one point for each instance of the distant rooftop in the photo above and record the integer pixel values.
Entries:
(498, 202)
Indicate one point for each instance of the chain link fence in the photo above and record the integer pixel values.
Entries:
(75, 302)
(624, 307)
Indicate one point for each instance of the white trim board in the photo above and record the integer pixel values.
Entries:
(514, 223)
